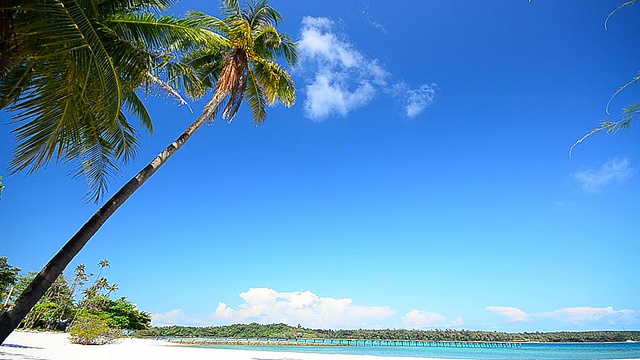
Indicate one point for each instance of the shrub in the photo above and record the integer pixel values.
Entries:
(90, 329)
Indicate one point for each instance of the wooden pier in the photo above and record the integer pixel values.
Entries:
(338, 342)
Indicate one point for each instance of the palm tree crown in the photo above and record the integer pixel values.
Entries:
(69, 71)
(244, 62)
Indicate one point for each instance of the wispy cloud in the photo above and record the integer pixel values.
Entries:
(613, 170)
(589, 317)
(416, 319)
(591, 314)
(414, 100)
(340, 79)
(373, 22)
(178, 317)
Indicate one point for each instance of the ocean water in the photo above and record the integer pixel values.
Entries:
(590, 351)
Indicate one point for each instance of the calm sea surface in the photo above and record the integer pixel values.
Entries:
(524, 352)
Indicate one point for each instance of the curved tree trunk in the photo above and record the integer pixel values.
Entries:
(9, 320)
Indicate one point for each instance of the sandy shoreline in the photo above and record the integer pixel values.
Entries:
(52, 346)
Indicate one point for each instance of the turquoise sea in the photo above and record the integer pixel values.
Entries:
(573, 351)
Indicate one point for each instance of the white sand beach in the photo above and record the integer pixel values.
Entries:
(54, 346)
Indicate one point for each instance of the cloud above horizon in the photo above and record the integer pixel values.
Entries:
(575, 316)
(340, 79)
(265, 306)
(613, 170)
(416, 319)
(178, 317)
(511, 313)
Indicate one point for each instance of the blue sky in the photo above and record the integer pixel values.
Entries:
(422, 180)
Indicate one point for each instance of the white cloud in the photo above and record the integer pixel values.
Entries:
(266, 305)
(612, 170)
(418, 99)
(325, 96)
(177, 317)
(457, 322)
(373, 22)
(416, 319)
(591, 317)
(422, 319)
(341, 79)
(511, 313)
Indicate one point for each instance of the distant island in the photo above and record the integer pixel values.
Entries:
(283, 331)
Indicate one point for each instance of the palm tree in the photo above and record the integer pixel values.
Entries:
(239, 62)
(103, 264)
(111, 289)
(69, 71)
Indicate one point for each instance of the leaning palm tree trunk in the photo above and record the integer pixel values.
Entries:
(9, 320)
(240, 60)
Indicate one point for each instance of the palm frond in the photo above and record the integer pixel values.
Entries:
(621, 89)
(135, 106)
(288, 50)
(207, 21)
(256, 99)
(107, 75)
(81, 63)
(132, 61)
(260, 14)
(123, 139)
(166, 32)
(208, 64)
(276, 81)
(270, 44)
(13, 84)
(622, 6)
(609, 127)
(231, 8)
(7, 41)
(96, 164)
(107, 8)
(240, 32)
(182, 77)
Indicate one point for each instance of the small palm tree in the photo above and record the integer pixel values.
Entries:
(111, 289)
(103, 264)
(240, 61)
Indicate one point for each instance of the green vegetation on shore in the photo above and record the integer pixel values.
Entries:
(74, 301)
(289, 332)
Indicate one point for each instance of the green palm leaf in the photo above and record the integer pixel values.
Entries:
(80, 63)
(106, 73)
(256, 99)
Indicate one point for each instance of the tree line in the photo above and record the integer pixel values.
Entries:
(284, 331)
(86, 299)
